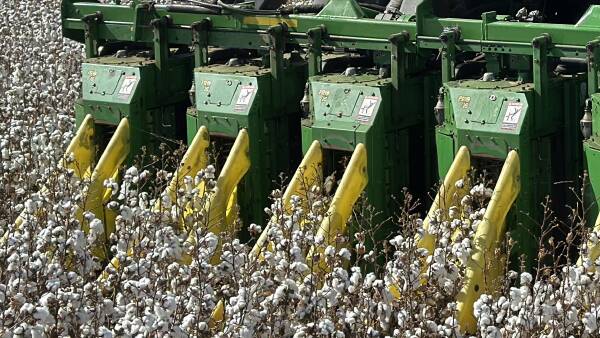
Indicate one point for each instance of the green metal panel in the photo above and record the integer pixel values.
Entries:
(228, 98)
(592, 188)
(591, 148)
(445, 152)
(113, 88)
(347, 110)
(492, 118)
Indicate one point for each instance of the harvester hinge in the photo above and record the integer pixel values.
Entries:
(315, 42)
(593, 62)
(277, 36)
(448, 38)
(90, 22)
(398, 64)
(200, 41)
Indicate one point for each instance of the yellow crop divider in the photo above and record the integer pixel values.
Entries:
(446, 195)
(107, 167)
(308, 172)
(194, 159)
(83, 150)
(488, 238)
(353, 182)
(215, 209)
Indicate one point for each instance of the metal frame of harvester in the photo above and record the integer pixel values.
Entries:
(269, 84)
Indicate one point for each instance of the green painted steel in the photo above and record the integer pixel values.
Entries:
(393, 114)
(155, 102)
(228, 98)
(394, 125)
(234, 30)
(493, 117)
(592, 162)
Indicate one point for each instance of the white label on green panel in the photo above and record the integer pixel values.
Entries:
(127, 86)
(512, 115)
(245, 95)
(367, 108)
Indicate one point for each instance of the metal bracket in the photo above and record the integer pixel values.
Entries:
(90, 22)
(161, 45)
(448, 38)
(200, 41)
(540, 46)
(487, 18)
(315, 52)
(398, 55)
(276, 47)
(138, 20)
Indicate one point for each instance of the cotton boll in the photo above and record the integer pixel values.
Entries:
(526, 278)
(326, 327)
(345, 254)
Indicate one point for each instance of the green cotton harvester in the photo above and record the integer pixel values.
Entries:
(369, 97)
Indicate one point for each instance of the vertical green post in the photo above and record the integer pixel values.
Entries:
(200, 41)
(161, 45)
(398, 67)
(449, 37)
(276, 48)
(315, 40)
(90, 22)
(540, 69)
(486, 18)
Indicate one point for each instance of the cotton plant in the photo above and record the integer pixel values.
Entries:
(52, 285)
(559, 301)
(48, 277)
(154, 288)
(563, 304)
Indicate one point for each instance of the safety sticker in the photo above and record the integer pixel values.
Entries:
(464, 101)
(367, 108)
(206, 85)
(512, 115)
(244, 99)
(127, 86)
(323, 95)
(92, 75)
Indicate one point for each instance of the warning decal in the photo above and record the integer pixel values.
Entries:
(127, 86)
(512, 115)
(243, 100)
(367, 108)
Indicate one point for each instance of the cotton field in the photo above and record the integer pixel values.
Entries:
(52, 285)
